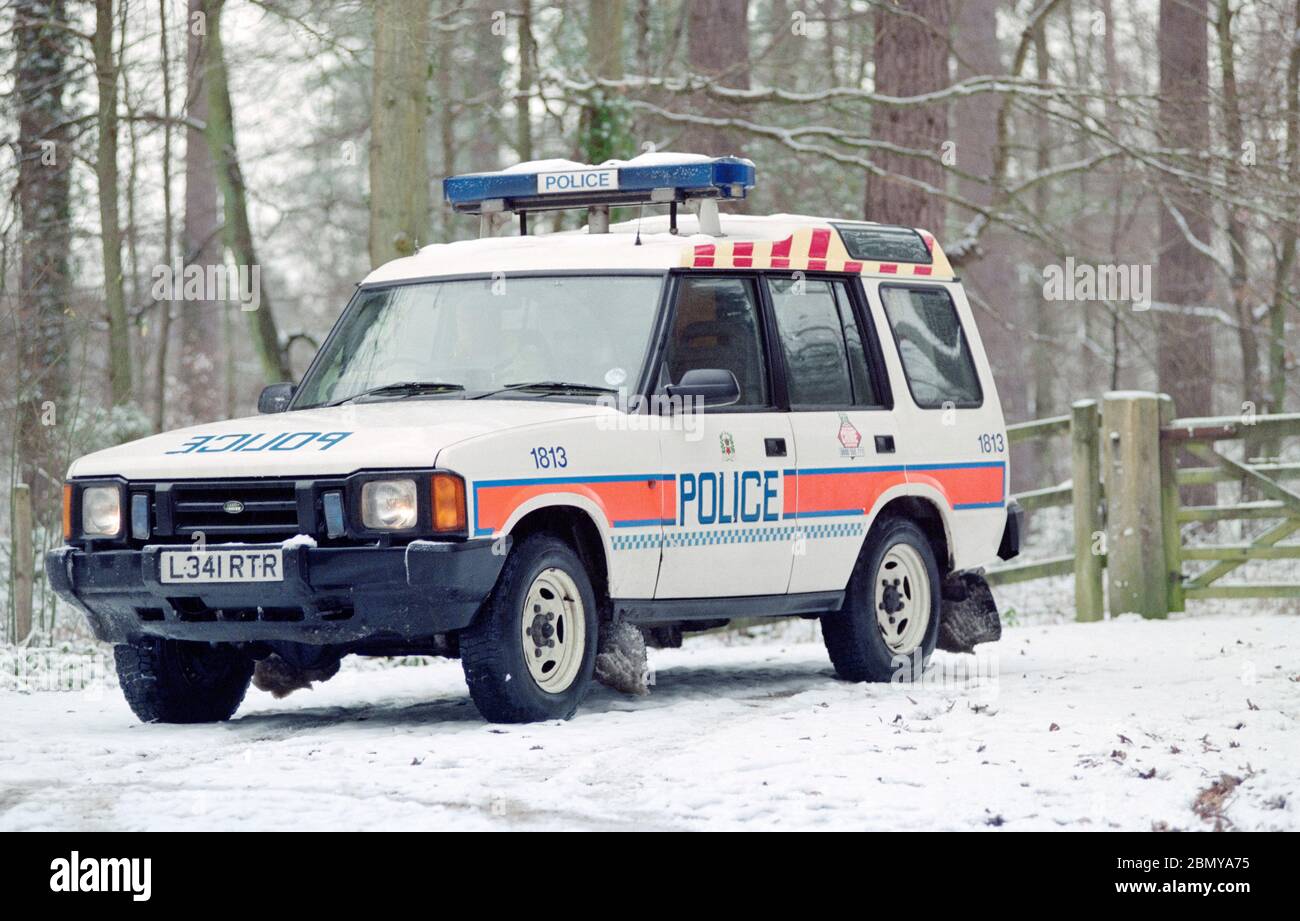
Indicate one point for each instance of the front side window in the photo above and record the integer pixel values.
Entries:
(936, 357)
(486, 334)
(716, 326)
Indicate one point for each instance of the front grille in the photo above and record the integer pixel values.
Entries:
(257, 510)
(232, 511)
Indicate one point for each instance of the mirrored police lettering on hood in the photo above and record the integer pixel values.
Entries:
(260, 441)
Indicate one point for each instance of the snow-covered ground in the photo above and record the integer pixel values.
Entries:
(1125, 724)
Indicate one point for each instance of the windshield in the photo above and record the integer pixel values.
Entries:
(486, 335)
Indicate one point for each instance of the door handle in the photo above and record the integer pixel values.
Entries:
(884, 444)
(775, 447)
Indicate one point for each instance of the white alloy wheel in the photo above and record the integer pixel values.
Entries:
(902, 598)
(554, 630)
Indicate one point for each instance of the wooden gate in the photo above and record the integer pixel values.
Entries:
(1129, 461)
(1281, 504)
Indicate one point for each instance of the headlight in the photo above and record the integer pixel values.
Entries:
(101, 511)
(389, 505)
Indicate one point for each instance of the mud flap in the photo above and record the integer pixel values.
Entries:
(280, 677)
(621, 659)
(969, 615)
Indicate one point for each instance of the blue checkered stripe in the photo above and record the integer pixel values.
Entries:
(710, 537)
(646, 541)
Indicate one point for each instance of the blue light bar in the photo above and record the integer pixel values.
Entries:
(657, 179)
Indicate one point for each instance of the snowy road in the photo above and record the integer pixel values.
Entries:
(745, 736)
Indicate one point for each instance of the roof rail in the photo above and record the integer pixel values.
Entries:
(668, 179)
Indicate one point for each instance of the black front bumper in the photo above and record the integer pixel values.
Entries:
(333, 595)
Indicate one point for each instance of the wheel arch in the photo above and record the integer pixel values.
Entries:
(577, 526)
(925, 514)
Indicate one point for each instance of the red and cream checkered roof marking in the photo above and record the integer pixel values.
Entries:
(811, 249)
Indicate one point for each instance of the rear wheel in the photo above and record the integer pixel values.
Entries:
(170, 681)
(530, 653)
(890, 619)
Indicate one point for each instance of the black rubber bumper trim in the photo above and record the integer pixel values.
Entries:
(336, 594)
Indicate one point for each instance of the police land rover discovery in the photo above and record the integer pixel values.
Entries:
(511, 445)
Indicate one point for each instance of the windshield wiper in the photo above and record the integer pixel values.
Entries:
(548, 387)
(401, 387)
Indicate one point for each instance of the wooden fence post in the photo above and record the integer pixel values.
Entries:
(1089, 597)
(1170, 529)
(1135, 553)
(23, 562)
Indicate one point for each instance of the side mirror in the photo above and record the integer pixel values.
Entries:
(275, 397)
(713, 386)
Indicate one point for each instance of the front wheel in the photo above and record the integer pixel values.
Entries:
(170, 681)
(889, 623)
(530, 653)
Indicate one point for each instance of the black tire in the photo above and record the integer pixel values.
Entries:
(169, 681)
(492, 649)
(853, 636)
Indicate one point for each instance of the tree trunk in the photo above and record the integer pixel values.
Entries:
(399, 171)
(527, 66)
(605, 38)
(975, 133)
(165, 305)
(603, 129)
(717, 48)
(1282, 298)
(1046, 366)
(238, 232)
(911, 57)
(445, 94)
(484, 79)
(1237, 243)
(110, 233)
(1114, 85)
(42, 40)
(134, 297)
(200, 320)
(1185, 353)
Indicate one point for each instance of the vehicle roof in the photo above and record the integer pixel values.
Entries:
(781, 241)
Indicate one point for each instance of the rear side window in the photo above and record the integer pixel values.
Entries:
(812, 341)
(884, 244)
(825, 359)
(936, 357)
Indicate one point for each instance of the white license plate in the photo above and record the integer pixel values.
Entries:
(222, 565)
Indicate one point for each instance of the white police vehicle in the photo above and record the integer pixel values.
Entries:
(508, 444)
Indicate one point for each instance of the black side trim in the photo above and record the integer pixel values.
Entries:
(1010, 546)
(671, 610)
